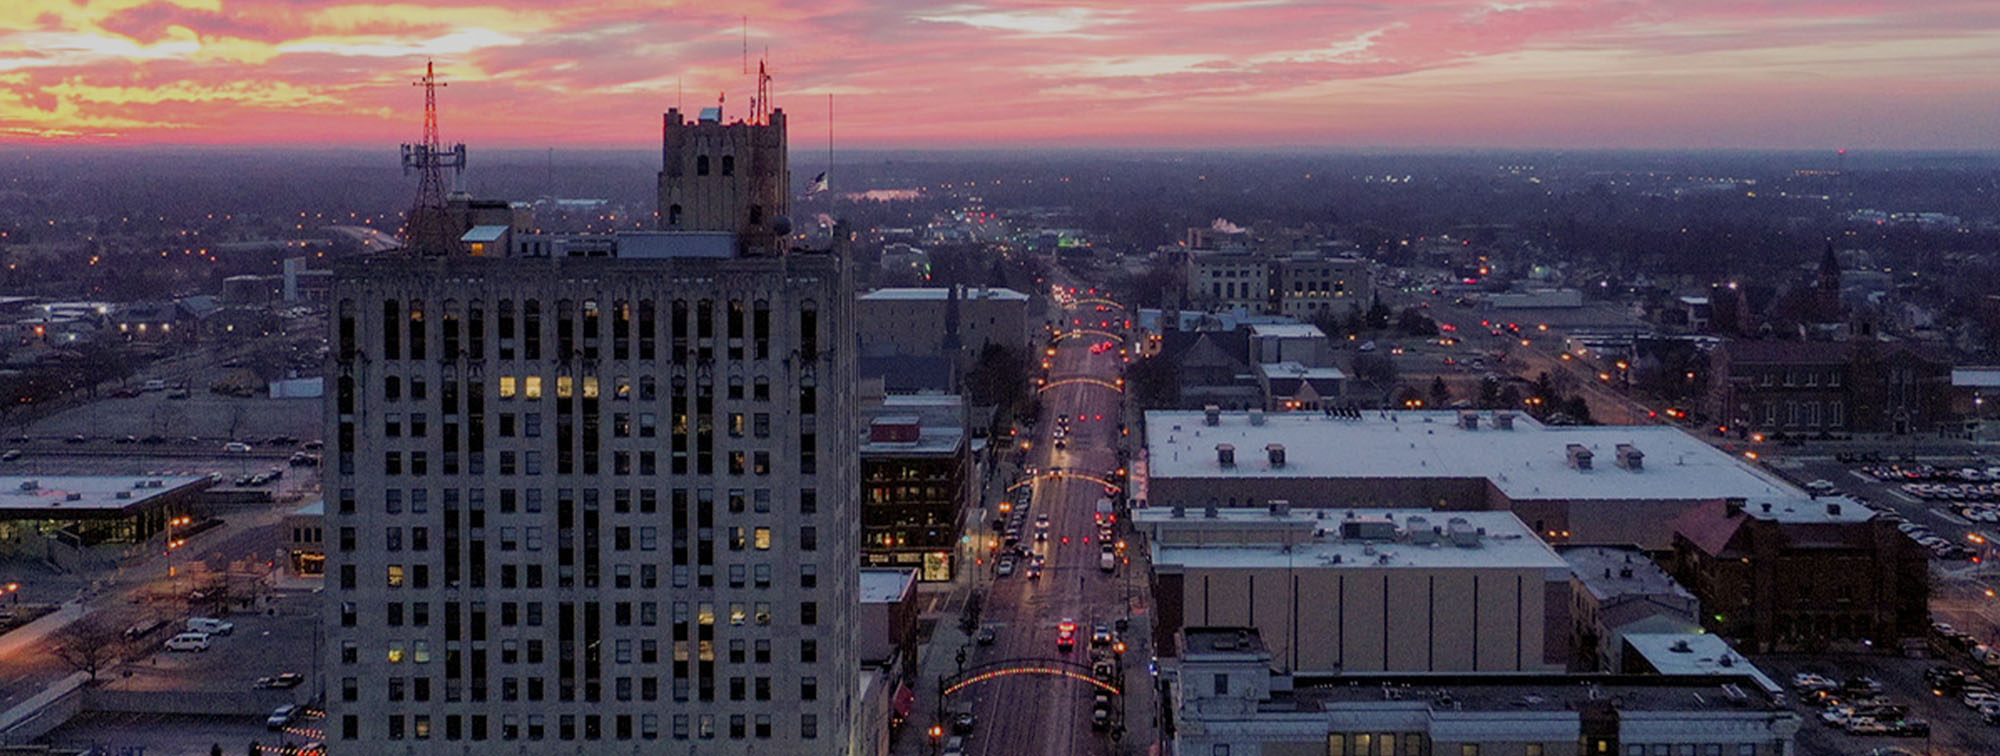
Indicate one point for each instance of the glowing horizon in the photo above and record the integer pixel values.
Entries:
(1877, 74)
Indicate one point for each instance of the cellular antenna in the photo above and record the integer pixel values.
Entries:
(428, 230)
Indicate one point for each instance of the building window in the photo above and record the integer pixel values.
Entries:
(1221, 685)
(701, 165)
(1219, 749)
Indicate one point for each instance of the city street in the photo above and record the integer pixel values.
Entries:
(1039, 713)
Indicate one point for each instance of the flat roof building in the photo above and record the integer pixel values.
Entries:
(1225, 697)
(1586, 484)
(60, 518)
(1619, 591)
(1333, 590)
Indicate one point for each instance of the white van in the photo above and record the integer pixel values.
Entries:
(155, 385)
(210, 626)
(188, 642)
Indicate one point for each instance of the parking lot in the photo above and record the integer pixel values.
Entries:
(271, 639)
(1954, 729)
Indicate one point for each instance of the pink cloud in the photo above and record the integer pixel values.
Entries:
(1726, 73)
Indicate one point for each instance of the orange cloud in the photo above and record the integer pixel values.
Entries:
(1730, 73)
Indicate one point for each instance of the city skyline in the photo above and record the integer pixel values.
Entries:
(1011, 73)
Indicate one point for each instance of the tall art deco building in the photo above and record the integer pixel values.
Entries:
(594, 494)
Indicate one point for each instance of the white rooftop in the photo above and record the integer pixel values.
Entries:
(1695, 654)
(940, 294)
(1316, 541)
(1529, 462)
(1287, 331)
(1804, 509)
(1976, 377)
(1295, 369)
(1611, 571)
(51, 494)
(881, 585)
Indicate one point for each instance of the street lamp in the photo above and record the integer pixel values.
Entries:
(937, 736)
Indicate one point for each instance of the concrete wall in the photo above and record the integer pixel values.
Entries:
(212, 703)
(1387, 619)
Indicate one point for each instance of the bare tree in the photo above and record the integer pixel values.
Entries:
(90, 646)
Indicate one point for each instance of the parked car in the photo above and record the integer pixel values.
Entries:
(190, 641)
(210, 625)
(963, 723)
(236, 447)
(1006, 567)
(11, 455)
(286, 680)
(986, 636)
(281, 717)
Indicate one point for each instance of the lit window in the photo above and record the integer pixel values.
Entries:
(565, 387)
(506, 387)
(736, 614)
(533, 387)
(762, 540)
(420, 652)
(395, 653)
(395, 576)
(590, 387)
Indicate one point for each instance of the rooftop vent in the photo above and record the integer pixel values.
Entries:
(1579, 456)
(1256, 417)
(1630, 457)
(1625, 572)
(1420, 531)
(1503, 420)
(1461, 533)
(72, 496)
(1468, 420)
(1210, 511)
(1277, 454)
(29, 485)
(1211, 415)
(123, 495)
(1833, 509)
(1681, 647)
(1225, 455)
(1180, 510)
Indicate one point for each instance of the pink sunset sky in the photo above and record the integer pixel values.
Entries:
(999, 73)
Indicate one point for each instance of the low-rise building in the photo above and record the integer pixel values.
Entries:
(940, 321)
(1814, 387)
(1620, 591)
(1342, 591)
(914, 487)
(305, 546)
(1801, 574)
(1571, 484)
(887, 619)
(1292, 387)
(1225, 698)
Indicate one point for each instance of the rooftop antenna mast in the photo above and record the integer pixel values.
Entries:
(428, 229)
(760, 108)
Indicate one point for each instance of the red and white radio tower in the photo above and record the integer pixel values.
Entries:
(429, 229)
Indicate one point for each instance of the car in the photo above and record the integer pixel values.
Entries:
(1039, 559)
(125, 440)
(11, 455)
(1809, 681)
(236, 447)
(1034, 572)
(286, 680)
(1910, 728)
(189, 641)
(1041, 536)
(986, 636)
(955, 746)
(1100, 634)
(1042, 522)
(1066, 635)
(1100, 719)
(76, 439)
(963, 723)
(153, 439)
(1005, 568)
(179, 393)
(281, 717)
(210, 626)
